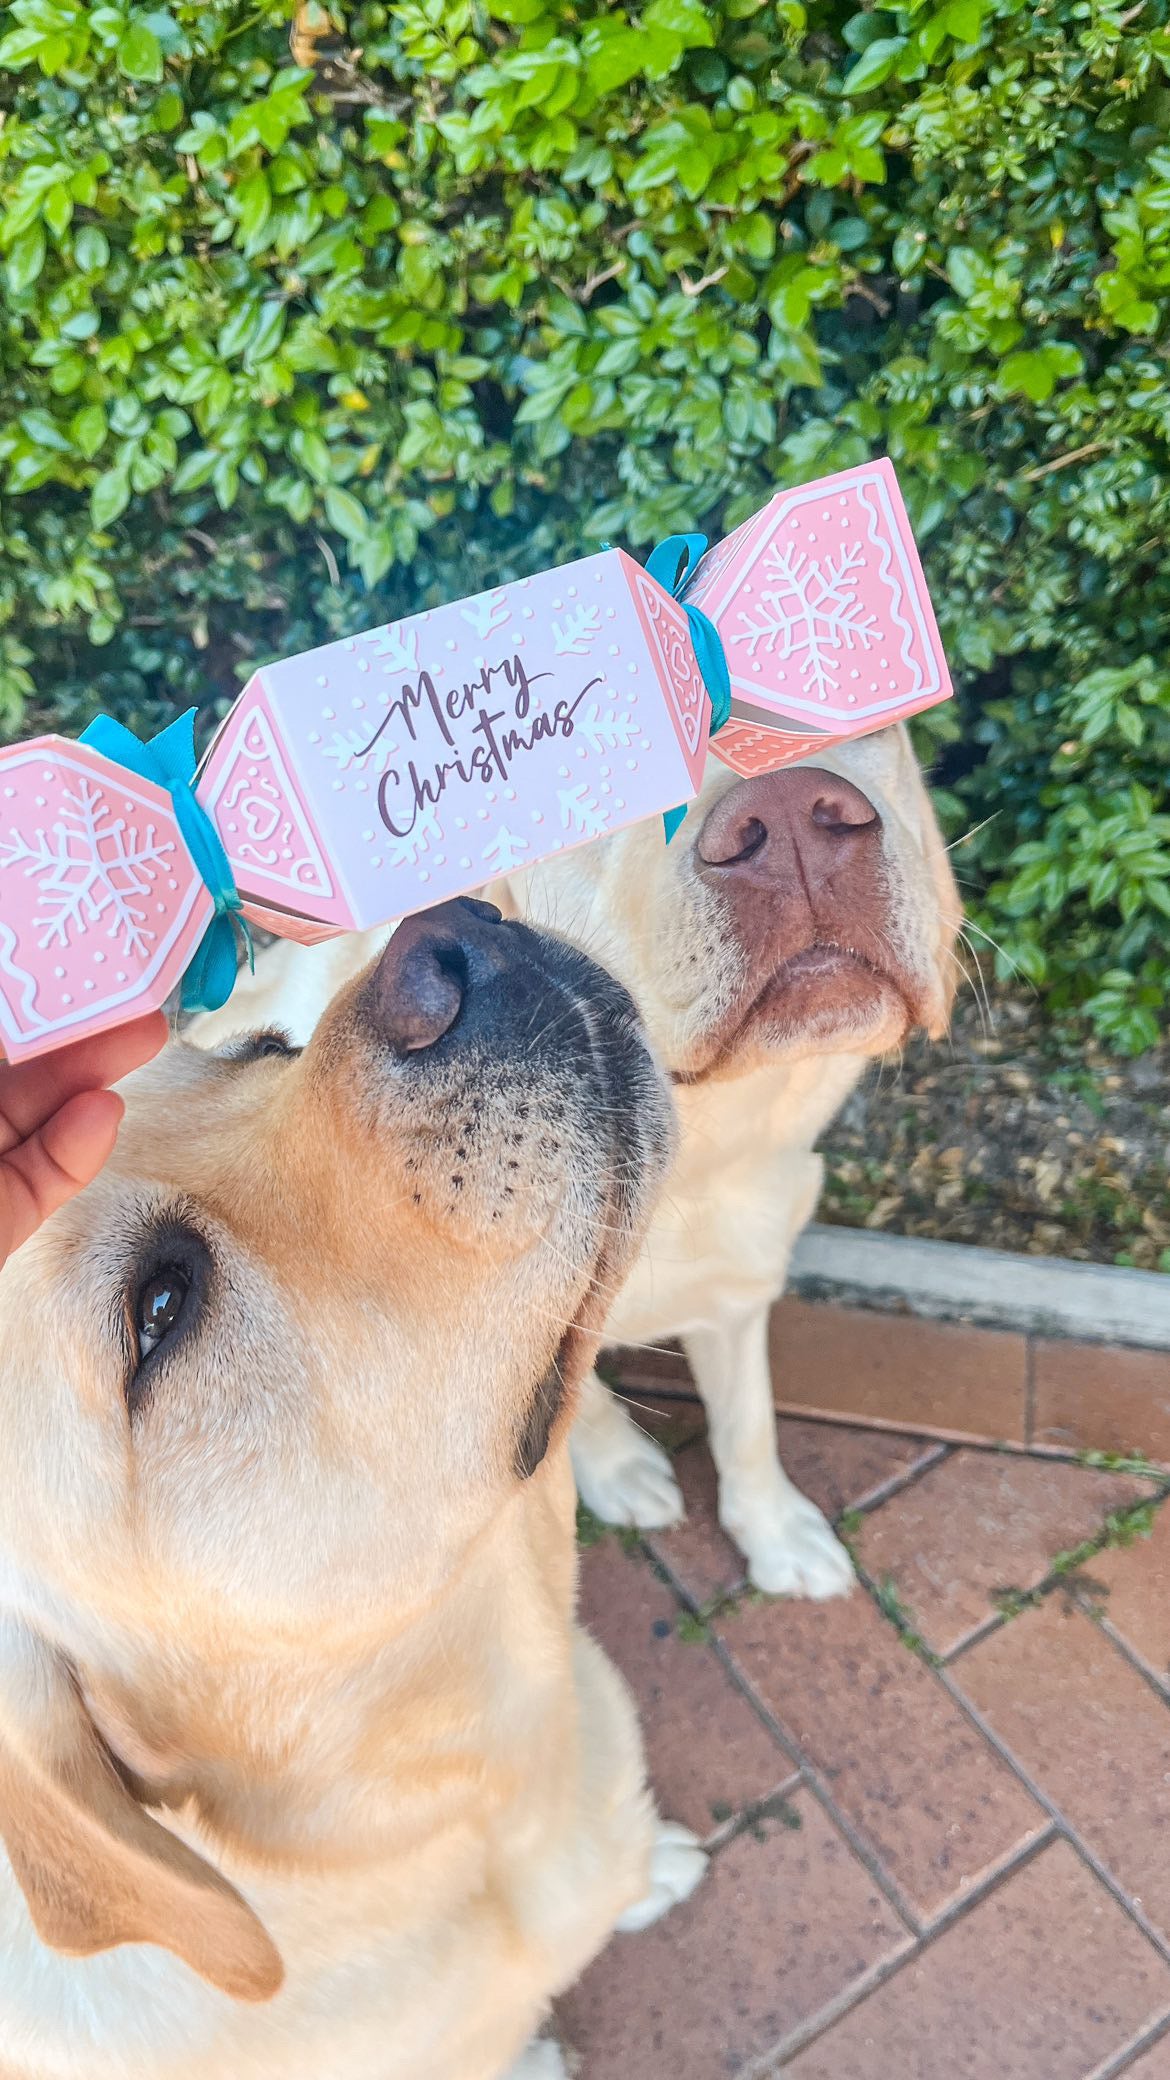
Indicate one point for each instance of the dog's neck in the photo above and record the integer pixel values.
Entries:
(347, 1753)
(784, 1104)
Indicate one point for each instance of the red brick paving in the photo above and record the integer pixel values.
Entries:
(786, 1922)
(793, 1956)
(979, 1523)
(728, 1760)
(933, 1801)
(1153, 2064)
(1041, 1981)
(1131, 1588)
(1091, 1730)
(902, 1372)
(1096, 1396)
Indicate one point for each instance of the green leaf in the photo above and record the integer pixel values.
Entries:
(91, 249)
(253, 204)
(26, 259)
(689, 20)
(346, 513)
(89, 428)
(109, 496)
(140, 54)
(965, 271)
(875, 64)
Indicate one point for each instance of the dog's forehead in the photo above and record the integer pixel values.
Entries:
(191, 1114)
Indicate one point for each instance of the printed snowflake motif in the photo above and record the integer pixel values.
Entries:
(575, 635)
(407, 851)
(488, 612)
(810, 611)
(397, 649)
(607, 730)
(505, 851)
(580, 811)
(90, 869)
(352, 747)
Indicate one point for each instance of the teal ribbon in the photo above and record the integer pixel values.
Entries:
(169, 760)
(672, 565)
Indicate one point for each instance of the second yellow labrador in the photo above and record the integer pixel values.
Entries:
(305, 1768)
(798, 925)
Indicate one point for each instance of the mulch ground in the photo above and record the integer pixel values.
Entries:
(1007, 1135)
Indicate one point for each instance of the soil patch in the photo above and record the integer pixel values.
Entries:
(1007, 1137)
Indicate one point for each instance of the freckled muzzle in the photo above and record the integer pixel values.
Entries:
(521, 1068)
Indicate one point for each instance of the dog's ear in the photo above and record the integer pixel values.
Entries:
(95, 1869)
(938, 860)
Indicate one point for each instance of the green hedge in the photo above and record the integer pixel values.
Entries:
(307, 322)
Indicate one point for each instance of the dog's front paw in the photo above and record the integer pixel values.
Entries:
(793, 1550)
(677, 1862)
(624, 1477)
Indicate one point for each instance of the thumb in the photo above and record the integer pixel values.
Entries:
(64, 1155)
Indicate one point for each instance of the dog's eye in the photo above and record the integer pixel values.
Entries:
(166, 1297)
(159, 1307)
(260, 1046)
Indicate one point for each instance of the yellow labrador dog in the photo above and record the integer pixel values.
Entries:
(798, 925)
(306, 1772)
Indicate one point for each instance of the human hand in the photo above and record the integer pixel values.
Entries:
(59, 1122)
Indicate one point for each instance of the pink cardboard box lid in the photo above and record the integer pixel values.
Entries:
(101, 906)
(389, 771)
(825, 619)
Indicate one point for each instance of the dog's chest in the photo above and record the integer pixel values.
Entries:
(744, 1184)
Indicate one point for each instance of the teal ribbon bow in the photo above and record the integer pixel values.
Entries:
(672, 565)
(169, 760)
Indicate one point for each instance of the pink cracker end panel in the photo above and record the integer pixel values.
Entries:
(750, 750)
(822, 607)
(378, 775)
(284, 925)
(101, 906)
(252, 791)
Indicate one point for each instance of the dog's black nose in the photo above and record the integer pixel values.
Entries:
(418, 988)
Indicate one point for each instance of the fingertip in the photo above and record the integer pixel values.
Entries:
(80, 1138)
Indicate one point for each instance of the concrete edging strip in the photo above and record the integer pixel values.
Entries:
(1043, 1296)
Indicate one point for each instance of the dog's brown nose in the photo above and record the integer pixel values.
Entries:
(804, 820)
(418, 988)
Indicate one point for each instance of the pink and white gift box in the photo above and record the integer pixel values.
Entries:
(825, 620)
(101, 907)
(389, 771)
(375, 776)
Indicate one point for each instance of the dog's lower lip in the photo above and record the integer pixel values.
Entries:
(824, 958)
(821, 962)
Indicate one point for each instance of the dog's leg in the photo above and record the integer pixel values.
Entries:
(621, 1474)
(789, 1546)
(677, 1862)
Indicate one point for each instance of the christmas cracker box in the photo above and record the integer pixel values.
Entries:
(381, 774)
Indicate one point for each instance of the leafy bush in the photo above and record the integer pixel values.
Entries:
(314, 318)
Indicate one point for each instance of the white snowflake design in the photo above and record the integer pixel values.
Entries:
(352, 747)
(425, 830)
(575, 635)
(488, 612)
(580, 811)
(397, 647)
(90, 868)
(827, 620)
(607, 731)
(505, 851)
